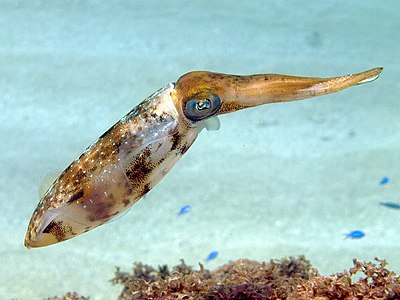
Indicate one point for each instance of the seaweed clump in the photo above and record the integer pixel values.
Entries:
(288, 278)
(70, 296)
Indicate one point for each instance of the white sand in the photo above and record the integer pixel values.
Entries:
(284, 179)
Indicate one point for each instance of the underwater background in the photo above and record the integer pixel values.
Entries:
(277, 180)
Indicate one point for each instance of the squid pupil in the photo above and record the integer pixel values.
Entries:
(206, 104)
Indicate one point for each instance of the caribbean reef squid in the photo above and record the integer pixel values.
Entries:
(130, 158)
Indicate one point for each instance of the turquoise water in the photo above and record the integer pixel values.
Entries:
(277, 180)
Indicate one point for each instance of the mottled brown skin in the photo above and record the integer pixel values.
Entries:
(129, 159)
(75, 181)
(79, 179)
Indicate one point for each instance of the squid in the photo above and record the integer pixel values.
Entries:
(130, 158)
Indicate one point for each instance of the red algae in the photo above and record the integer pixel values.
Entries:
(287, 278)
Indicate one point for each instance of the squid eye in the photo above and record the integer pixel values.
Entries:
(197, 110)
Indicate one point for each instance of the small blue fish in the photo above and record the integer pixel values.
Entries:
(384, 180)
(212, 255)
(390, 204)
(355, 234)
(185, 209)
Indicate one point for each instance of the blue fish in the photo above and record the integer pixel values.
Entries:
(185, 209)
(212, 255)
(384, 180)
(355, 234)
(390, 204)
